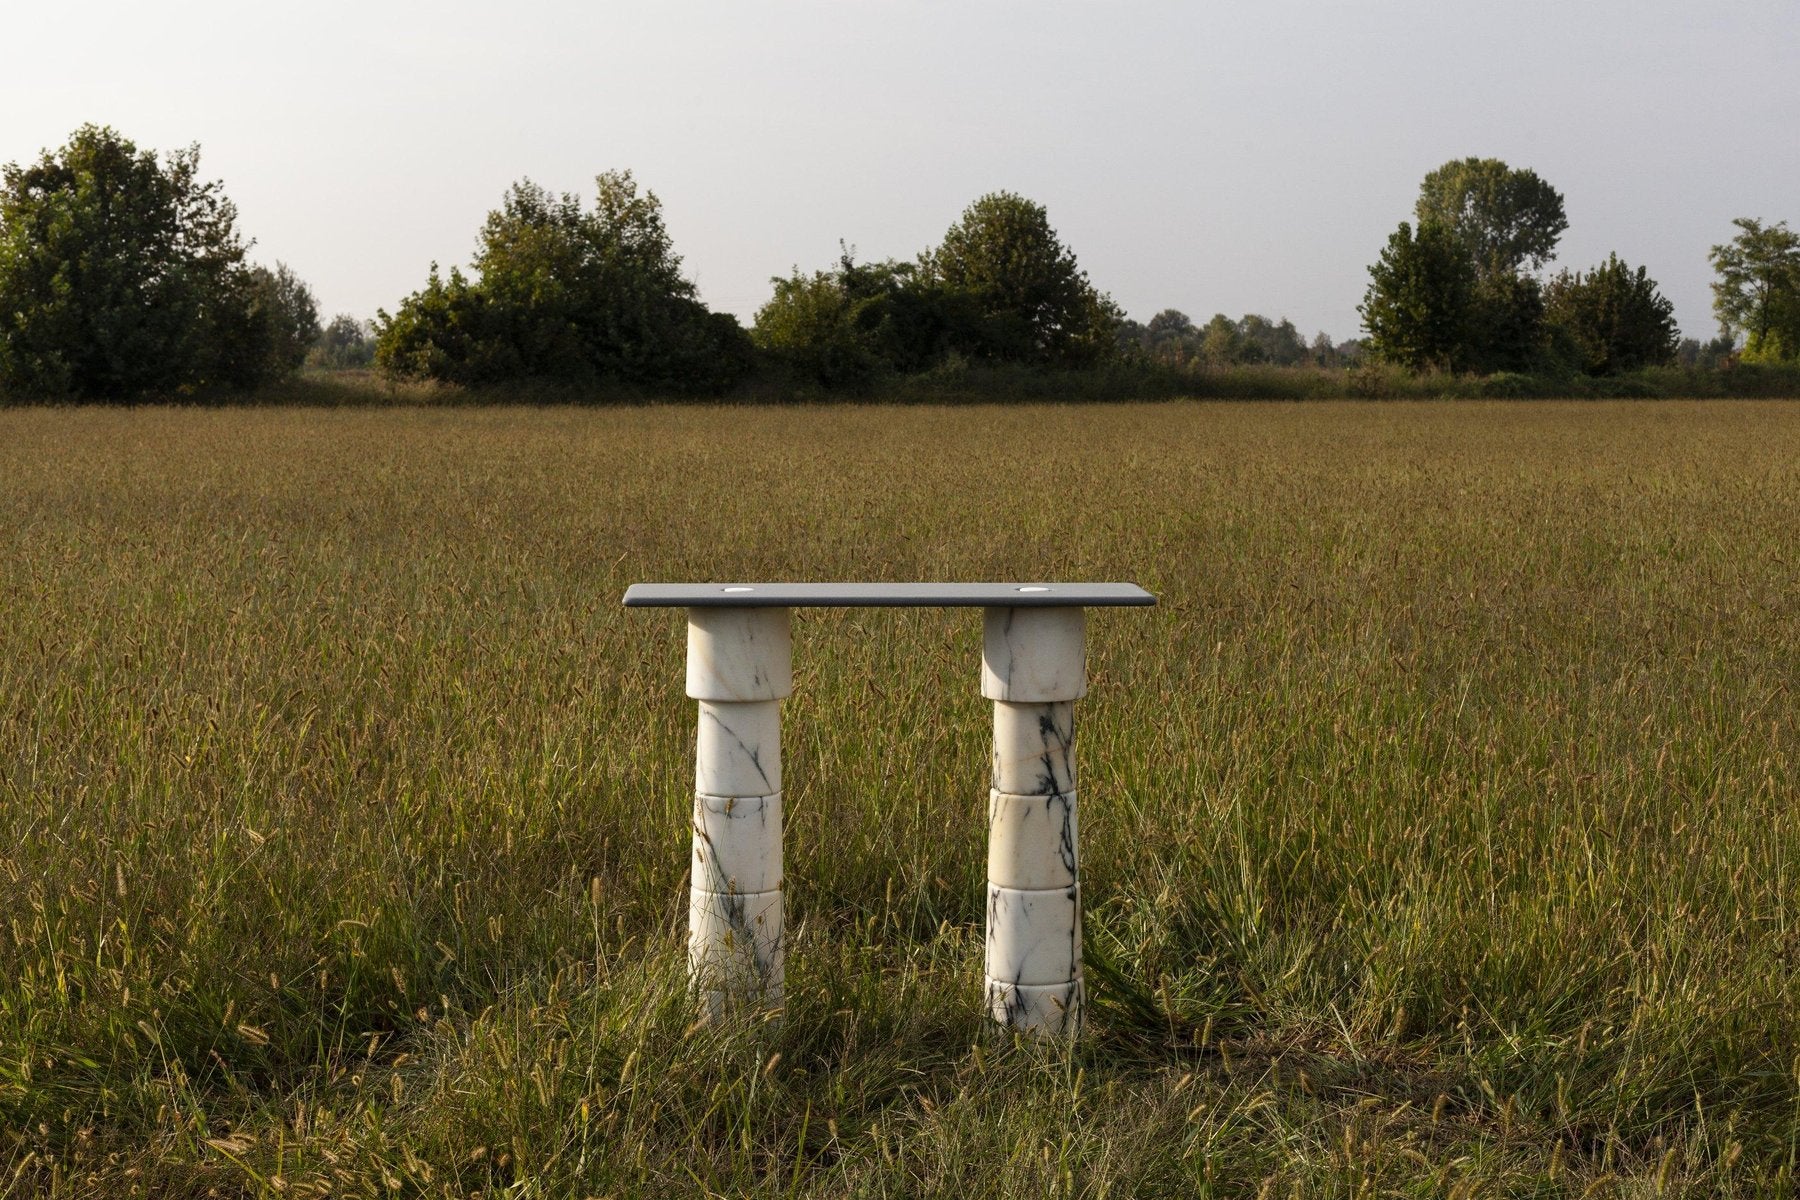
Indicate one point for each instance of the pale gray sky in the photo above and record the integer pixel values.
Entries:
(1237, 158)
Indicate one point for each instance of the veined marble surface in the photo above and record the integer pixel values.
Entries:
(1033, 841)
(1033, 655)
(1033, 936)
(735, 943)
(1034, 748)
(739, 654)
(737, 843)
(738, 748)
(1052, 1008)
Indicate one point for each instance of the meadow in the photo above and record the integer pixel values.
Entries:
(1439, 826)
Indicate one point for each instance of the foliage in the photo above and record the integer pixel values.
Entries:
(1001, 288)
(1419, 303)
(1455, 295)
(561, 293)
(122, 275)
(1507, 220)
(1033, 302)
(347, 342)
(1505, 325)
(1617, 318)
(1171, 338)
(1757, 293)
(1709, 355)
(847, 328)
(264, 332)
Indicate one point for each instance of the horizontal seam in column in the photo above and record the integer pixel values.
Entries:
(1007, 887)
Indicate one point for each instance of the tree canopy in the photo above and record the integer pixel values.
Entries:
(1508, 220)
(1615, 316)
(1757, 293)
(123, 274)
(1034, 301)
(1417, 309)
(563, 293)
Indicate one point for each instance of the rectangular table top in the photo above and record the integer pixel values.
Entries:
(885, 595)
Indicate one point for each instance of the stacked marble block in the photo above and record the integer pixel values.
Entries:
(739, 668)
(1033, 667)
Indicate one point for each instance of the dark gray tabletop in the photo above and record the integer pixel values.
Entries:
(885, 595)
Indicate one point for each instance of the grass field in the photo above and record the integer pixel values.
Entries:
(1440, 826)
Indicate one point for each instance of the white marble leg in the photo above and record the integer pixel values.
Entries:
(1033, 667)
(739, 669)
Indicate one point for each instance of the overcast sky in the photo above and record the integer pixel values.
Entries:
(1207, 157)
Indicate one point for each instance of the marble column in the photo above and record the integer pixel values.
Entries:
(739, 668)
(1034, 667)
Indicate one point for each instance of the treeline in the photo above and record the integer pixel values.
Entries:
(123, 275)
(1171, 338)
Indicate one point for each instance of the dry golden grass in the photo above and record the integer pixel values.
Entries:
(1440, 825)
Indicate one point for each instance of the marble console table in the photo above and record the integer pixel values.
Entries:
(1033, 667)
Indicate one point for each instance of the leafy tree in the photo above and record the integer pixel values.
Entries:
(845, 328)
(293, 313)
(562, 293)
(1132, 336)
(1419, 305)
(1273, 342)
(1171, 337)
(1757, 293)
(1710, 355)
(123, 275)
(1454, 295)
(1615, 316)
(1033, 302)
(1169, 325)
(1221, 344)
(1505, 324)
(1507, 220)
(344, 343)
(810, 324)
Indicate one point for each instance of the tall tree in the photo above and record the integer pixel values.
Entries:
(1507, 220)
(1757, 293)
(123, 274)
(1615, 315)
(1418, 306)
(1035, 301)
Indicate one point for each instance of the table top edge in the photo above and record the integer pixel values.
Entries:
(1017, 594)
